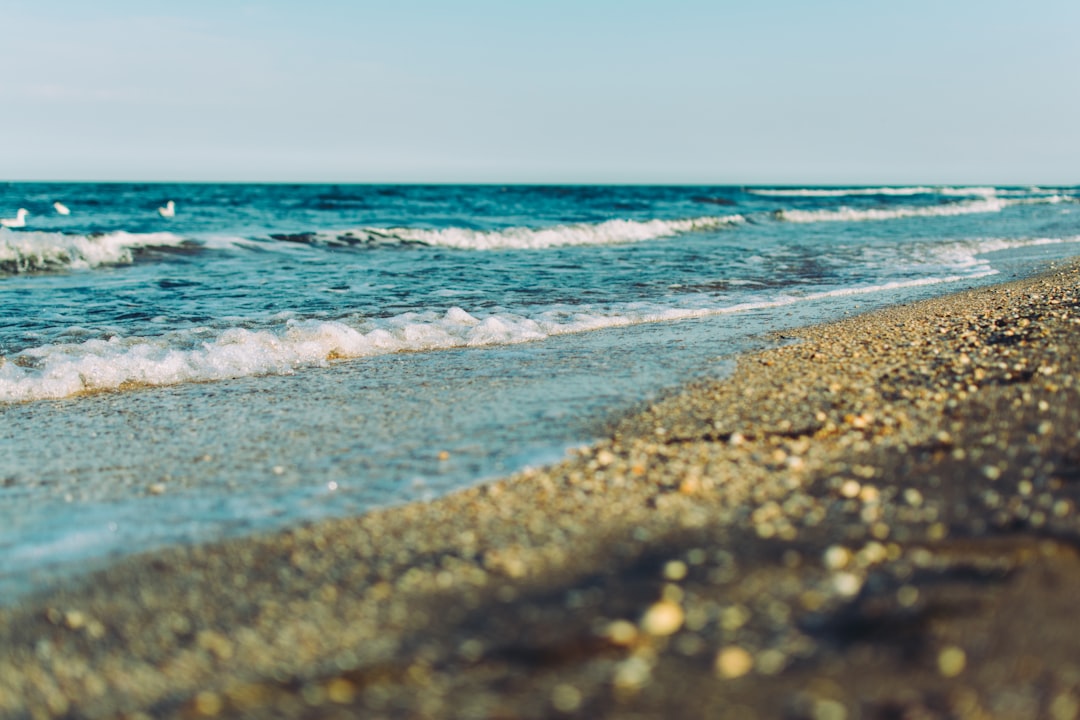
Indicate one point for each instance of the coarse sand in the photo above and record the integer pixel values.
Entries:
(876, 519)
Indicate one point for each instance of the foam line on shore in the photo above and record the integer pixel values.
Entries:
(67, 369)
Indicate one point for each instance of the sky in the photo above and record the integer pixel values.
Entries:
(549, 91)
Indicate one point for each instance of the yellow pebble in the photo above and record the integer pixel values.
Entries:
(208, 703)
(566, 698)
(837, 557)
(951, 661)
(1064, 707)
(675, 570)
(663, 618)
(733, 662)
(341, 691)
(621, 632)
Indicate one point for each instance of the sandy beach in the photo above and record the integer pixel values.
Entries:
(877, 519)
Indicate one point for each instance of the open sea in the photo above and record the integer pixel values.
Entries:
(273, 354)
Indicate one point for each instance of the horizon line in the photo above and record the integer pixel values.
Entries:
(552, 183)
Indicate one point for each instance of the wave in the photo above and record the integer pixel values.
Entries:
(609, 232)
(38, 252)
(63, 370)
(201, 355)
(967, 207)
(965, 254)
(66, 370)
(901, 191)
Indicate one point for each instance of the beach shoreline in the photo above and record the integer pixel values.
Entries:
(876, 519)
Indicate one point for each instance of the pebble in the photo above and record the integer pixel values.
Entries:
(951, 661)
(566, 698)
(621, 632)
(734, 662)
(662, 618)
(796, 497)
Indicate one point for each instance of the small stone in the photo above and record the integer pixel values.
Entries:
(632, 673)
(341, 691)
(829, 710)
(847, 584)
(734, 617)
(156, 489)
(566, 698)
(771, 662)
(690, 486)
(1064, 707)
(621, 632)
(837, 557)
(951, 661)
(907, 596)
(936, 532)
(208, 703)
(605, 458)
(215, 643)
(663, 618)
(733, 662)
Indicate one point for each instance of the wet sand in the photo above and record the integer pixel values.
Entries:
(876, 520)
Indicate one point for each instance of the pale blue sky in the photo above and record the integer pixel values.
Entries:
(672, 91)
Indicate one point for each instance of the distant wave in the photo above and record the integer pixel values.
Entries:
(604, 233)
(872, 191)
(35, 252)
(967, 207)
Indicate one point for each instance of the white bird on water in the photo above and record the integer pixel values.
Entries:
(18, 221)
(61, 208)
(169, 210)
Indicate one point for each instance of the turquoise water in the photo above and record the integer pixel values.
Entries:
(277, 353)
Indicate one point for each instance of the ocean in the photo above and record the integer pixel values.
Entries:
(273, 354)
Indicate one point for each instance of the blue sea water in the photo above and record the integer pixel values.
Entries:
(277, 353)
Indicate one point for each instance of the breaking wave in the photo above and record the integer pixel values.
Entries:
(65, 370)
(968, 207)
(609, 232)
(38, 252)
(901, 191)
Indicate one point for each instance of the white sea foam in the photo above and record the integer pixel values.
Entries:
(603, 233)
(965, 254)
(966, 207)
(847, 214)
(22, 252)
(872, 191)
(65, 369)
